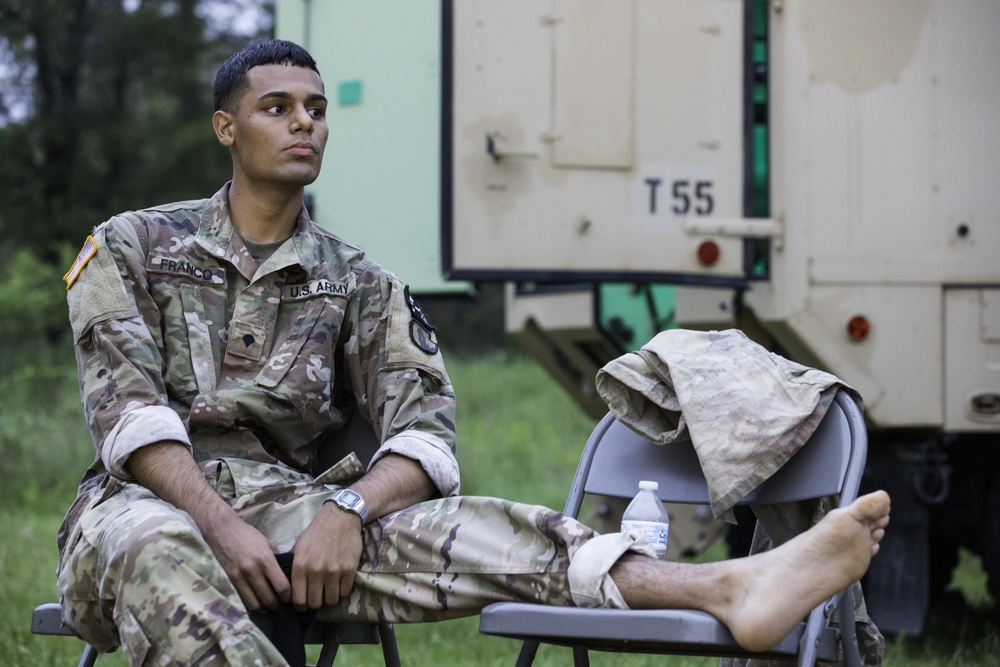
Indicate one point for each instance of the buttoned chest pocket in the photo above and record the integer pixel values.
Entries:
(190, 316)
(302, 366)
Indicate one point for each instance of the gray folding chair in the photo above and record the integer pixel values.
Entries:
(356, 436)
(613, 461)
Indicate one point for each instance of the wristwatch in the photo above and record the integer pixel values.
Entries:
(350, 501)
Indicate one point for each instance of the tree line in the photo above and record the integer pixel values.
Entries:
(105, 106)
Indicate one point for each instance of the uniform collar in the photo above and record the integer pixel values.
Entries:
(218, 237)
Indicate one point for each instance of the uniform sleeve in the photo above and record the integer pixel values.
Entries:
(399, 379)
(119, 358)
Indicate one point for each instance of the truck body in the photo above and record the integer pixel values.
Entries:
(822, 175)
(819, 174)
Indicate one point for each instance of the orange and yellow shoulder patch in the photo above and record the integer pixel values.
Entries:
(89, 250)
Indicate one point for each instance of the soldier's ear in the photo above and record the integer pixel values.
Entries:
(222, 121)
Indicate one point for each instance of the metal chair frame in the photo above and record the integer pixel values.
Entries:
(831, 463)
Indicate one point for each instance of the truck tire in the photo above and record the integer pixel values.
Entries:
(991, 543)
(942, 559)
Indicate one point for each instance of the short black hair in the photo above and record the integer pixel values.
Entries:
(231, 80)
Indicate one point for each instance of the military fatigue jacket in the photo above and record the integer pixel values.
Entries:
(746, 410)
(181, 336)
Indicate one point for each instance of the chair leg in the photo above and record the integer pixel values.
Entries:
(527, 654)
(810, 638)
(89, 657)
(848, 630)
(329, 652)
(581, 658)
(390, 652)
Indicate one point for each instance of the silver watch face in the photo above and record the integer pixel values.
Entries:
(352, 502)
(349, 498)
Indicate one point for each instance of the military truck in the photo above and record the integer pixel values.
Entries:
(822, 175)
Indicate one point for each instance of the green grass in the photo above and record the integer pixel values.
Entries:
(44, 443)
(519, 438)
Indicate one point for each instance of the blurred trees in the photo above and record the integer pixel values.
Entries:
(105, 105)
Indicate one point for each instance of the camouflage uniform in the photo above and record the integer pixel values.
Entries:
(181, 336)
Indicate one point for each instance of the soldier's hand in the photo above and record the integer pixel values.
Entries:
(167, 469)
(247, 556)
(326, 558)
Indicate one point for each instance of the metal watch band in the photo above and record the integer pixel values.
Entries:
(350, 501)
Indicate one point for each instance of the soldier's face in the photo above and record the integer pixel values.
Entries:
(279, 130)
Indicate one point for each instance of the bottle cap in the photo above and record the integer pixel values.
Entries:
(647, 484)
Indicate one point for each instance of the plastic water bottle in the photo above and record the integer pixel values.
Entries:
(647, 514)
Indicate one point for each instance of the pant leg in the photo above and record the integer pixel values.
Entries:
(141, 575)
(443, 558)
(451, 557)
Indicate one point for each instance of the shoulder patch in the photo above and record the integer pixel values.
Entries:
(89, 250)
(425, 340)
(416, 311)
(421, 329)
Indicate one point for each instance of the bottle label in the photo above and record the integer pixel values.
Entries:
(656, 533)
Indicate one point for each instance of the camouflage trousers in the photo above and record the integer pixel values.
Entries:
(137, 572)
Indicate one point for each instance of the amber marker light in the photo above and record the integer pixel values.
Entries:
(858, 327)
(986, 403)
(708, 253)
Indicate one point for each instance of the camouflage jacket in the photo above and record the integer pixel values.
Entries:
(746, 410)
(181, 336)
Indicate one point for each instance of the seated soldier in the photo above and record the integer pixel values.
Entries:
(220, 341)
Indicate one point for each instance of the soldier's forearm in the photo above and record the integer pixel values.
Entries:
(394, 483)
(168, 470)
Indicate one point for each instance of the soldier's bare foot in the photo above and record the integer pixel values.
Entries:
(773, 591)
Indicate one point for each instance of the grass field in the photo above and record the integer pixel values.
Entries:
(519, 438)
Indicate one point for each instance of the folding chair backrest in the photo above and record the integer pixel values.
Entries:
(356, 436)
(616, 457)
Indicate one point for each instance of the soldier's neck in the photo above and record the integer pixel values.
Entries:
(264, 215)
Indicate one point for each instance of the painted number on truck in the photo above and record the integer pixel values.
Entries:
(665, 193)
(687, 197)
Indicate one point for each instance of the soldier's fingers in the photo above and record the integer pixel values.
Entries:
(346, 584)
(263, 590)
(246, 593)
(331, 590)
(300, 587)
(320, 585)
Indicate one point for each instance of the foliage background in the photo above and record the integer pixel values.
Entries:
(104, 106)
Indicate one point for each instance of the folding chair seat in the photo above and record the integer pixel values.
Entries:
(357, 436)
(46, 619)
(613, 461)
